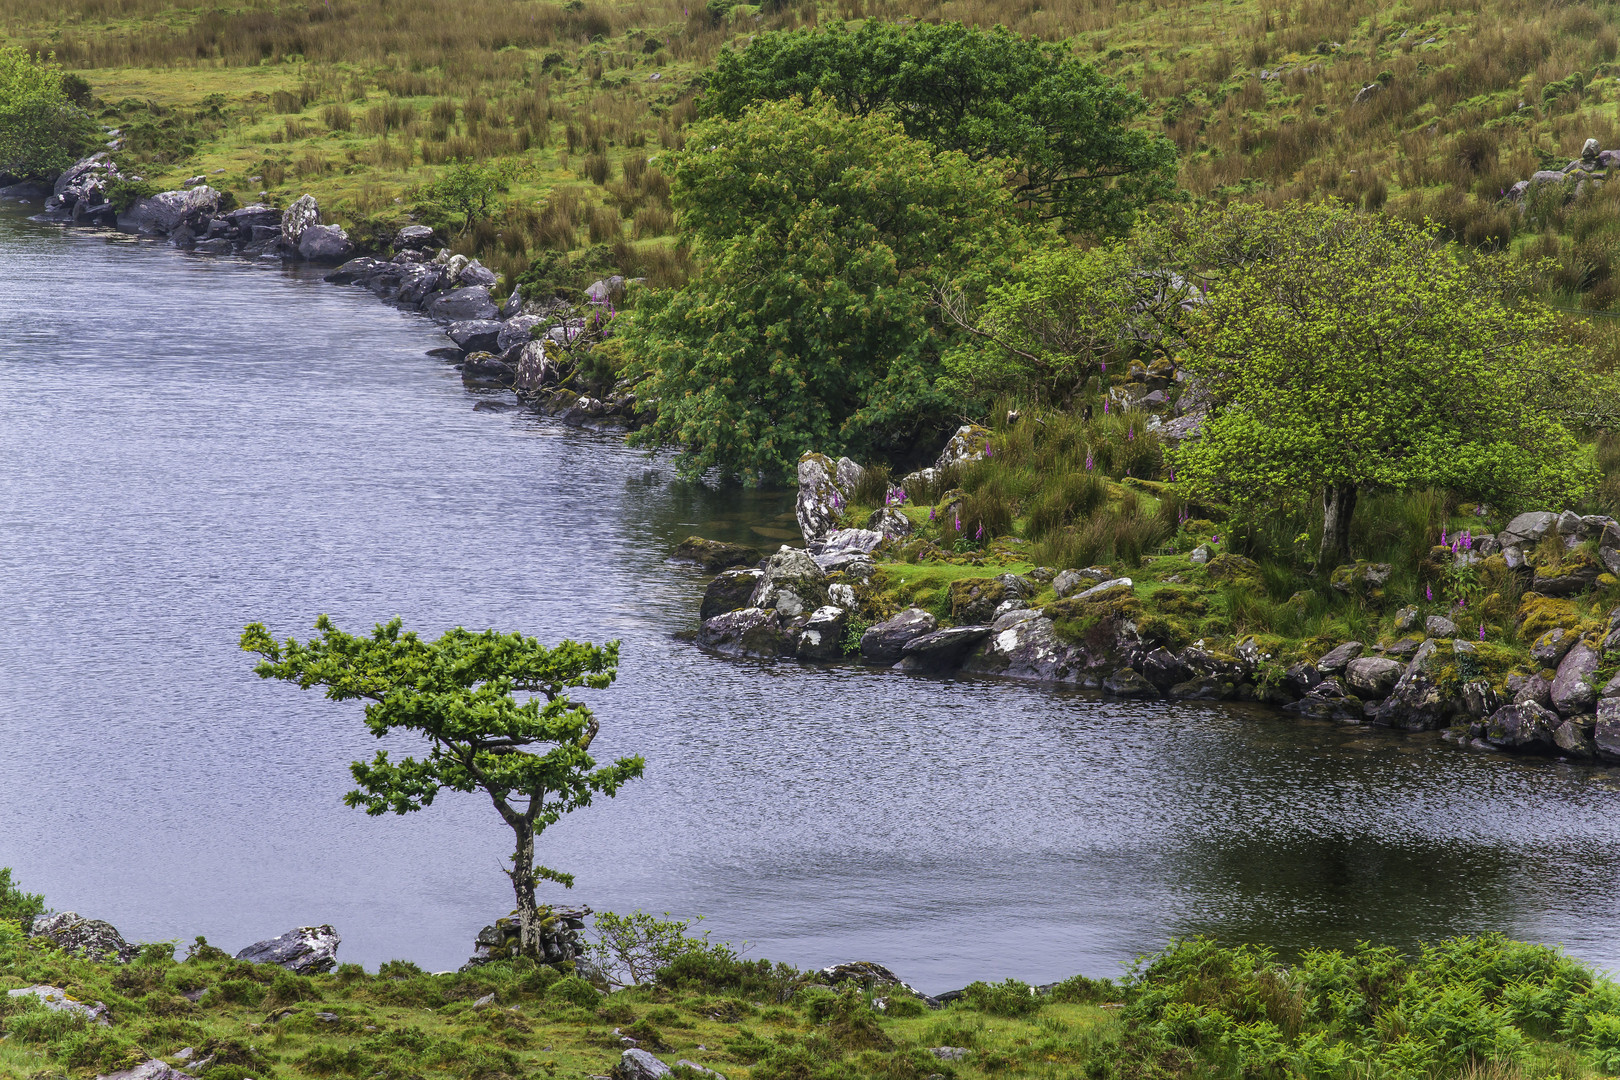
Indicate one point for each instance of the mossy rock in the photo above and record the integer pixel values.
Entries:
(1182, 602)
(1361, 579)
(974, 600)
(715, 555)
(1538, 614)
(1234, 568)
(1163, 630)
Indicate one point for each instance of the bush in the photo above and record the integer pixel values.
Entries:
(42, 131)
(16, 905)
(1009, 998)
(575, 991)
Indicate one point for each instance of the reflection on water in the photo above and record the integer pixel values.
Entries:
(187, 445)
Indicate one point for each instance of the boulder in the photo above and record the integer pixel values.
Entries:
(413, 237)
(1528, 527)
(1361, 578)
(1572, 690)
(1128, 683)
(841, 547)
(1439, 626)
(967, 444)
(1204, 688)
(1416, 703)
(941, 649)
(258, 215)
(1536, 688)
(1301, 679)
(487, 371)
(1106, 589)
(167, 211)
(461, 305)
(792, 584)
(1606, 733)
(749, 631)
(56, 999)
(518, 330)
(559, 939)
(638, 1064)
(694, 1066)
(1549, 648)
(1568, 580)
(325, 244)
(1335, 660)
(1572, 738)
(715, 555)
(418, 282)
(93, 939)
(822, 637)
(355, 271)
(884, 642)
(301, 215)
(1524, 727)
(1070, 581)
(1025, 645)
(476, 335)
(308, 950)
(729, 591)
(476, 273)
(820, 502)
(605, 291)
(1407, 619)
(150, 1069)
(974, 600)
(536, 368)
(1373, 676)
(1163, 669)
(891, 522)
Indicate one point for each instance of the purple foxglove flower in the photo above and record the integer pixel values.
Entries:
(958, 524)
(1105, 407)
(1088, 463)
(1428, 593)
(1105, 366)
(979, 535)
(988, 452)
(930, 513)
(1130, 432)
(1482, 631)
(1443, 539)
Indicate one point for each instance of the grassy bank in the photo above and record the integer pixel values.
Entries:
(361, 101)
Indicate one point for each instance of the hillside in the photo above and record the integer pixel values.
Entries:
(360, 101)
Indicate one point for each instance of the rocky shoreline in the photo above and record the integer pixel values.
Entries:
(530, 348)
(1077, 628)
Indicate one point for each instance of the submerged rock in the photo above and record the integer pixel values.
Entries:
(715, 555)
(308, 950)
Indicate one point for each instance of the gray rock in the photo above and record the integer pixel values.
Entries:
(949, 1053)
(247, 218)
(1163, 669)
(1416, 703)
(1110, 585)
(1025, 645)
(477, 274)
(517, 330)
(729, 591)
(151, 1069)
(301, 215)
(884, 642)
(93, 939)
(536, 368)
(1439, 626)
(1606, 733)
(1525, 727)
(940, 648)
(167, 211)
(820, 501)
(890, 522)
(1611, 560)
(413, 236)
(56, 999)
(750, 631)
(476, 335)
(325, 244)
(1572, 739)
(695, 1067)
(1201, 554)
(308, 950)
(792, 584)
(418, 282)
(1530, 688)
(1373, 676)
(841, 547)
(1070, 581)
(1335, 660)
(823, 636)
(1204, 688)
(1528, 527)
(1569, 523)
(1301, 679)
(608, 291)
(1578, 580)
(1126, 682)
(356, 271)
(1572, 689)
(637, 1064)
(487, 371)
(1549, 648)
(461, 305)
(966, 444)
(1407, 619)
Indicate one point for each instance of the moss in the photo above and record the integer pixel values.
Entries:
(1537, 614)
(1164, 630)
(1234, 568)
(1182, 602)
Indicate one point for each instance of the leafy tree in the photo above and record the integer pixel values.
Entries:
(632, 949)
(1343, 352)
(1064, 129)
(470, 190)
(15, 904)
(810, 325)
(42, 131)
(530, 757)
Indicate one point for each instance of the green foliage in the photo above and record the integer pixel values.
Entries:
(575, 991)
(16, 905)
(632, 949)
(470, 190)
(1008, 998)
(42, 131)
(1344, 351)
(123, 194)
(457, 692)
(823, 239)
(1066, 132)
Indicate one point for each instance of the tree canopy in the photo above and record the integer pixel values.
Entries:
(42, 131)
(1343, 351)
(1062, 128)
(821, 239)
(530, 757)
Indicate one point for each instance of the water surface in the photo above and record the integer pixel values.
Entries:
(188, 444)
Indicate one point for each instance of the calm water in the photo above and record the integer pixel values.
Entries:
(190, 444)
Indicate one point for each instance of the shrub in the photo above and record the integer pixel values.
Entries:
(17, 905)
(1009, 998)
(575, 991)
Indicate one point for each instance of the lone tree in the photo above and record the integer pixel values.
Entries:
(1343, 352)
(530, 757)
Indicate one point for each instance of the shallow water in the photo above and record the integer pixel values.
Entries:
(189, 444)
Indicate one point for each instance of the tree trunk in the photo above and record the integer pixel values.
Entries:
(522, 876)
(1338, 503)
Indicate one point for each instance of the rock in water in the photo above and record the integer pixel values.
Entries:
(325, 244)
(462, 305)
(793, 584)
(169, 210)
(89, 938)
(715, 555)
(885, 642)
(308, 950)
(749, 631)
(303, 213)
(820, 501)
(729, 591)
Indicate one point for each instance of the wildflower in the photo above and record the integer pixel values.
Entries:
(1089, 463)
(979, 535)
(988, 452)
(930, 513)
(1428, 593)
(1172, 476)
(1130, 432)
(958, 521)
(1461, 603)
(1215, 538)
(1443, 539)
(1105, 367)
(1105, 406)
(1482, 631)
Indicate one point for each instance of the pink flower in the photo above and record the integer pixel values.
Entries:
(988, 452)
(1130, 432)
(1105, 407)
(979, 535)
(1088, 463)
(1443, 539)
(1428, 593)
(958, 521)
(930, 513)
(1482, 631)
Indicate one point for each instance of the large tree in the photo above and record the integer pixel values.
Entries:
(42, 131)
(810, 325)
(531, 757)
(1344, 351)
(1064, 130)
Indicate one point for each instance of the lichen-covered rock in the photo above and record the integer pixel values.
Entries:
(1407, 619)
(1072, 581)
(307, 950)
(750, 631)
(1228, 566)
(1549, 648)
(1203, 688)
(968, 443)
(715, 555)
(1416, 703)
(560, 928)
(820, 501)
(487, 371)
(1572, 738)
(884, 642)
(167, 211)
(57, 999)
(1534, 688)
(301, 215)
(476, 273)
(1606, 731)
(1528, 528)
(822, 637)
(1439, 626)
(1163, 669)
(1572, 690)
(1361, 578)
(840, 548)
(476, 335)
(730, 590)
(1524, 727)
(1026, 646)
(93, 939)
(638, 1064)
(793, 583)
(151, 1069)
(325, 244)
(1335, 660)
(941, 649)
(1578, 573)
(974, 600)
(889, 522)
(1373, 676)
(1105, 590)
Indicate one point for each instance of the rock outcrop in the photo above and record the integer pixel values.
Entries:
(307, 950)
